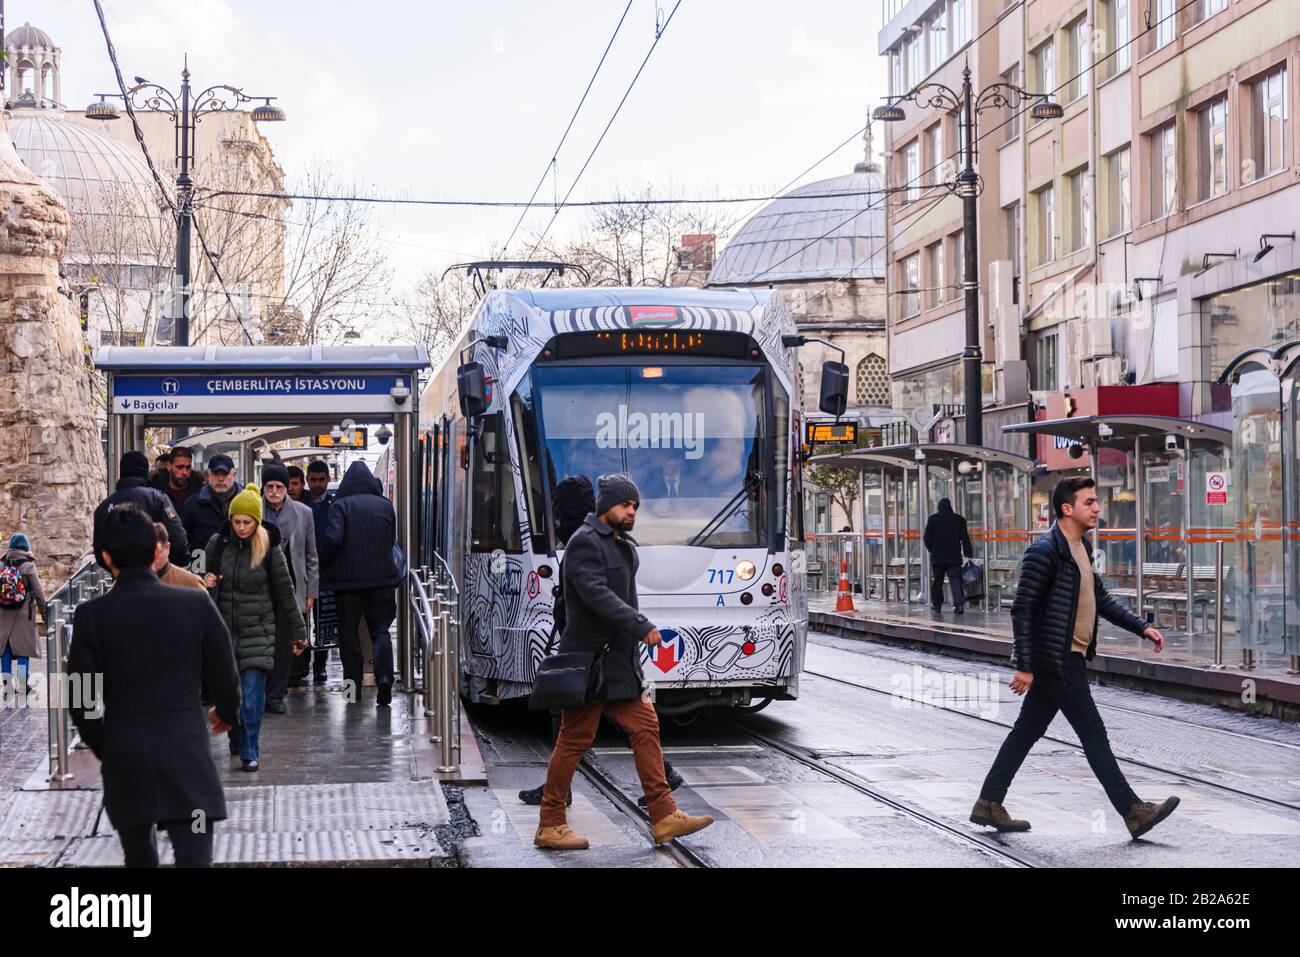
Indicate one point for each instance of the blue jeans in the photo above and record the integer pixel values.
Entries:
(253, 683)
(8, 658)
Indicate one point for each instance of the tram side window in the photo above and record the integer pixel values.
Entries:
(780, 458)
(493, 522)
(525, 417)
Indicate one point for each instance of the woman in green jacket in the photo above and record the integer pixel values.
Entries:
(249, 576)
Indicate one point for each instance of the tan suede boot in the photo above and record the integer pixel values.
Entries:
(1144, 815)
(559, 838)
(679, 824)
(993, 814)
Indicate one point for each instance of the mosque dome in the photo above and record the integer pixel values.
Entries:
(840, 221)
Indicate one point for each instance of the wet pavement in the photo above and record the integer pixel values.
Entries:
(339, 785)
(880, 760)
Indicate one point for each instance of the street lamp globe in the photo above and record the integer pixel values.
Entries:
(889, 113)
(101, 109)
(1046, 109)
(268, 112)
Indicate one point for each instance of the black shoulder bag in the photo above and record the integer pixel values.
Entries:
(569, 679)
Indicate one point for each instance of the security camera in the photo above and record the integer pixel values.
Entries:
(399, 392)
(1171, 443)
(1104, 431)
(384, 434)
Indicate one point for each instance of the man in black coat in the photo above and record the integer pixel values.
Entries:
(1054, 623)
(142, 651)
(601, 617)
(133, 489)
(356, 563)
(207, 510)
(947, 540)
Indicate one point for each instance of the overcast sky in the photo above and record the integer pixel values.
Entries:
(457, 99)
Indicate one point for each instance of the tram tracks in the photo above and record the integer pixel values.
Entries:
(1239, 792)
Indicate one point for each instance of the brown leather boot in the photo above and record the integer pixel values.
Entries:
(993, 814)
(1144, 815)
(679, 824)
(559, 838)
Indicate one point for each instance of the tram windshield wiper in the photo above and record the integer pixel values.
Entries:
(727, 511)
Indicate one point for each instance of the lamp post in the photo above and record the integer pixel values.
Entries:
(968, 186)
(185, 111)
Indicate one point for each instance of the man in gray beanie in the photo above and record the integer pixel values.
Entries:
(599, 582)
(133, 490)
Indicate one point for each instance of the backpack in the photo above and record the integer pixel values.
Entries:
(13, 587)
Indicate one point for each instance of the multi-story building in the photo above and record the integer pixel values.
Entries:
(1137, 262)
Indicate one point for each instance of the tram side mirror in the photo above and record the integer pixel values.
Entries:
(835, 388)
(471, 384)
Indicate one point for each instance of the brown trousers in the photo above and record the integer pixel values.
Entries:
(577, 731)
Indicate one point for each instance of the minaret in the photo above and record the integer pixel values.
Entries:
(868, 164)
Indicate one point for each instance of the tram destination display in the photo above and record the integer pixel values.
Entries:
(831, 433)
(657, 342)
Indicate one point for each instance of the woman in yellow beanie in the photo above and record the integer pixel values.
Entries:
(249, 575)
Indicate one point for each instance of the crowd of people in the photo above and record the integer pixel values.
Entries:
(259, 556)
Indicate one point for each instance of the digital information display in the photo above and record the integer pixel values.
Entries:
(356, 439)
(619, 342)
(824, 433)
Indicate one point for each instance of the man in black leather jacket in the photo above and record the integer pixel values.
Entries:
(1054, 621)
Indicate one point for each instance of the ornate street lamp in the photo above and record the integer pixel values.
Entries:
(186, 110)
(968, 186)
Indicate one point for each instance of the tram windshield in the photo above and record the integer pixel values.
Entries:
(691, 437)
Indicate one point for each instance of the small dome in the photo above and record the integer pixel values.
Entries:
(103, 182)
(840, 245)
(28, 37)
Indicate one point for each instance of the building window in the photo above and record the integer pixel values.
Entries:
(1121, 196)
(1213, 124)
(1164, 171)
(1013, 249)
(896, 87)
(1268, 121)
(1080, 37)
(873, 381)
(1080, 210)
(934, 137)
(938, 278)
(1119, 25)
(1011, 121)
(1208, 8)
(1046, 224)
(1045, 68)
(911, 284)
(912, 170)
(1045, 356)
(938, 35)
(915, 54)
(960, 23)
(958, 262)
(1166, 25)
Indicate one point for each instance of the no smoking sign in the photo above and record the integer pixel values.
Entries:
(1216, 488)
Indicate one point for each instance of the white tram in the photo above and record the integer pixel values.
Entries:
(694, 394)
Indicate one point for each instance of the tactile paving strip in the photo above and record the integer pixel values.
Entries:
(31, 853)
(43, 815)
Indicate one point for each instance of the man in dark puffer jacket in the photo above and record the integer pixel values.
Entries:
(1054, 620)
(133, 489)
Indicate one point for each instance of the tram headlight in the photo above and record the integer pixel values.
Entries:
(746, 570)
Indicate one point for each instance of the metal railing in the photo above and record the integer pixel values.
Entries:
(435, 605)
(88, 581)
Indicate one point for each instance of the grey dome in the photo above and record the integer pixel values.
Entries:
(103, 182)
(28, 36)
(853, 247)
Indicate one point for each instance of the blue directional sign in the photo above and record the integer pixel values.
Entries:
(236, 392)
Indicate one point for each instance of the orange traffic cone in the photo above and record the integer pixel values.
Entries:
(844, 600)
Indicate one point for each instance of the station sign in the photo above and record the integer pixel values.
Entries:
(233, 392)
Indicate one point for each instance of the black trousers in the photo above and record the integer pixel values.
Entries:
(315, 660)
(277, 683)
(953, 574)
(140, 847)
(1070, 694)
(379, 608)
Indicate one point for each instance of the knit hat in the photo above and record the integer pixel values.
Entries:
(133, 463)
(274, 472)
(19, 541)
(248, 502)
(614, 489)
